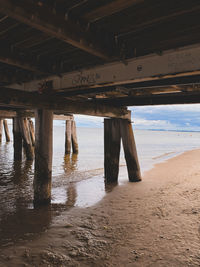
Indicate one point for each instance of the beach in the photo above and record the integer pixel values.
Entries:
(151, 223)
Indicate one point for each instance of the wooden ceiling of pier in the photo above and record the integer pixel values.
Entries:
(46, 37)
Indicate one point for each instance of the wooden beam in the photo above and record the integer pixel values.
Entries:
(43, 19)
(162, 18)
(171, 64)
(110, 9)
(19, 64)
(28, 100)
(160, 99)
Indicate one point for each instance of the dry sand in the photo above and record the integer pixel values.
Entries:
(152, 223)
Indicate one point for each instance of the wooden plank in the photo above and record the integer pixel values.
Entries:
(6, 130)
(43, 156)
(162, 99)
(62, 117)
(27, 100)
(130, 151)
(17, 139)
(177, 63)
(110, 9)
(43, 19)
(74, 138)
(112, 142)
(68, 136)
(7, 114)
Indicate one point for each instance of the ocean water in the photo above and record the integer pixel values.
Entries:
(78, 180)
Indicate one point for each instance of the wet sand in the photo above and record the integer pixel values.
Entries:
(152, 223)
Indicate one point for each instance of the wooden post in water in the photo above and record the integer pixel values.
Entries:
(43, 156)
(112, 141)
(74, 138)
(27, 143)
(1, 128)
(68, 136)
(32, 131)
(5, 124)
(130, 151)
(17, 138)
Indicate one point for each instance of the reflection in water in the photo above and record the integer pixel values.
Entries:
(70, 163)
(76, 182)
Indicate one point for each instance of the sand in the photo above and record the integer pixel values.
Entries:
(152, 223)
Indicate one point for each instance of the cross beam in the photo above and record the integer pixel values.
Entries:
(29, 100)
(109, 9)
(43, 19)
(159, 99)
(176, 63)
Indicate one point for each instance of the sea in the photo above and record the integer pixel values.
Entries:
(77, 180)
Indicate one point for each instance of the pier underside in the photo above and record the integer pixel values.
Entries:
(94, 58)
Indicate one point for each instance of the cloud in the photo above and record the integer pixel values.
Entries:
(169, 117)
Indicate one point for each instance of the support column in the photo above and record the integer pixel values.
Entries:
(26, 138)
(17, 138)
(32, 131)
(130, 151)
(6, 130)
(68, 136)
(74, 138)
(1, 129)
(43, 156)
(112, 140)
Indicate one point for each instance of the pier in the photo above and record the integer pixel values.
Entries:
(92, 59)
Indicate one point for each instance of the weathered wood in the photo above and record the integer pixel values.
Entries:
(23, 65)
(109, 9)
(43, 156)
(28, 100)
(160, 99)
(45, 20)
(32, 131)
(74, 138)
(6, 130)
(112, 142)
(26, 138)
(130, 151)
(68, 136)
(1, 129)
(171, 63)
(17, 138)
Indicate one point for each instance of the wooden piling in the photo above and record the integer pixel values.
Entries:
(17, 138)
(130, 151)
(7, 135)
(32, 131)
(1, 128)
(27, 143)
(112, 140)
(74, 138)
(68, 136)
(43, 156)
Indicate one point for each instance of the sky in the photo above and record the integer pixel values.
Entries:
(166, 117)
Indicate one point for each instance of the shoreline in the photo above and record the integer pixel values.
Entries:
(151, 223)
